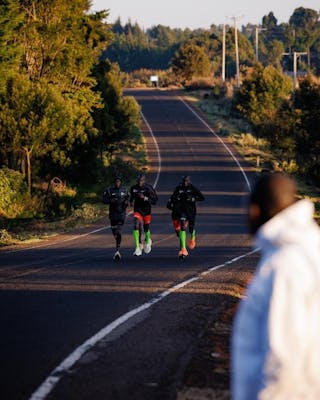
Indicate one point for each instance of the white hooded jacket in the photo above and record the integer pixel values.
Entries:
(276, 332)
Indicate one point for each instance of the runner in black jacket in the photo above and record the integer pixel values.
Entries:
(142, 197)
(182, 203)
(117, 197)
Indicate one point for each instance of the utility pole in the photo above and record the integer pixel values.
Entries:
(296, 54)
(257, 40)
(223, 73)
(237, 50)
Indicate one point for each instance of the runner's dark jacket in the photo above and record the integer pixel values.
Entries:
(183, 200)
(142, 198)
(118, 200)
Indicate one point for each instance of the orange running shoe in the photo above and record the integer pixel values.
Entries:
(183, 253)
(192, 244)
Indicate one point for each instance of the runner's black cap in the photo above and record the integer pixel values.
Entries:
(186, 179)
(140, 176)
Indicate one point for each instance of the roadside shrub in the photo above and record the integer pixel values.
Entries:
(249, 140)
(61, 204)
(261, 94)
(13, 193)
(87, 212)
(5, 237)
(61, 199)
(200, 83)
(141, 78)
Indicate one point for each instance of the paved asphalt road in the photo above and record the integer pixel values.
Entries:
(58, 294)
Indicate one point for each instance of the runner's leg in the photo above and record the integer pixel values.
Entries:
(182, 236)
(192, 241)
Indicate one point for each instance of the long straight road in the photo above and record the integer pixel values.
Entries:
(76, 325)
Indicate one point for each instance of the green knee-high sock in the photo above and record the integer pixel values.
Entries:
(147, 237)
(182, 236)
(136, 237)
(193, 235)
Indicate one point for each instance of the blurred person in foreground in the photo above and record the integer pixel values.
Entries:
(276, 332)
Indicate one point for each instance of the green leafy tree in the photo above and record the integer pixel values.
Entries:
(271, 53)
(190, 61)
(262, 93)
(133, 48)
(162, 36)
(246, 52)
(118, 117)
(281, 131)
(305, 26)
(269, 21)
(307, 104)
(274, 40)
(53, 109)
(35, 120)
(210, 41)
(10, 49)
(305, 22)
(61, 40)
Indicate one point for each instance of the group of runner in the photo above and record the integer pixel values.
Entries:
(142, 197)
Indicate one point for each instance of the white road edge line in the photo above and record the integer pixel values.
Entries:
(157, 147)
(59, 241)
(221, 141)
(47, 386)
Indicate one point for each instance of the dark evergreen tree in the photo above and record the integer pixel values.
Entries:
(307, 104)
(191, 61)
(10, 49)
(134, 49)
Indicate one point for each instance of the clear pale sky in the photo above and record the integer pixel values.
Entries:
(199, 13)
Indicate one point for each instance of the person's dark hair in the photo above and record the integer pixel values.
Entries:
(272, 193)
(186, 179)
(141, 177)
